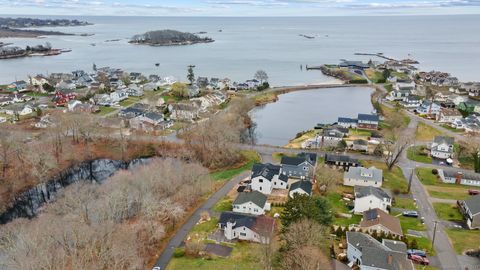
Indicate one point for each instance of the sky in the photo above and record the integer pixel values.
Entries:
(239, 7)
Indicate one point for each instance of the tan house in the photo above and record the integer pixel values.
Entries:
(376, 220)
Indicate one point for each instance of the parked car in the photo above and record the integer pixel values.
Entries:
(417, 252)
(410, 214)
(419, 259)
(473, 192)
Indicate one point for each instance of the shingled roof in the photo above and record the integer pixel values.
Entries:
(361, 191)
(255, 197)
(376, 216)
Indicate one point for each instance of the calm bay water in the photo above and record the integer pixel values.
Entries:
(278, 122)
(447, 43)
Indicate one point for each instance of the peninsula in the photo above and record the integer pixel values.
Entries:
(15, 27)
(169, 38)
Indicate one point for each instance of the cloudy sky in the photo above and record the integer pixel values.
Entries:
(238, 7)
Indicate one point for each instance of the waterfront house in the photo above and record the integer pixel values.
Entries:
(369, 197)
(330, 137)
(360, 145)
(302, 187)
(411, 102)
(360, 176)
(377, 220)
(368, 121)
(367, 253)
(459, 178)
(429, 108)
(341, 161)
(448, 115)
(118, 96)
(246, 227)
(266, 177)
(398, 95)
(38, 81)
(20, 85)
(253, 202)
(470, 209)
(252, 84)
(134, 90)
(442, 147)
(202, 82)
(302, 166)
(347, 122)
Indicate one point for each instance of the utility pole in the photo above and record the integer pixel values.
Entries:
(410, 181)
(434, 232)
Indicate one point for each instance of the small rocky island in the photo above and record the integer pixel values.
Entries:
(169, 38)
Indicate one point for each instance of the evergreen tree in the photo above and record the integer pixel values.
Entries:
(191, 75)
(304, 206)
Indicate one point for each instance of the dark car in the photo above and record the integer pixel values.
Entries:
(410, 214)
(419, 259)
(417, 252)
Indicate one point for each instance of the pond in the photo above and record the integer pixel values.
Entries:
(279, 122)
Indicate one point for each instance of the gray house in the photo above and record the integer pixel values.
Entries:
(302, 166)
(369, 254)
(471, 211)
(341, 161)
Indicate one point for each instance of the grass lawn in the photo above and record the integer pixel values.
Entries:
(223, 205)
(393, 180)
(404, 203)
(251, 157)
(171, 98)
(451, 128)
(425, 267)
(417, 153)
(106, 110)
(447, 211)
(388, 87)
(426, 132)
(463, 239)
(244, 257)
(297, 142)
(205, 227)
(36, 94)
(265, 98)
(389, 112)
(423, 243)
(409, 223)
(129, 101)
(400, 75)
(438, 189)
(355, 219)
(375, 76)
(360, 132)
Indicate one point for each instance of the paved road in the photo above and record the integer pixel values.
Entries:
(446, 255)
(182, 233)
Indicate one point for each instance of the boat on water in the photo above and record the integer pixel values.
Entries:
(157, 64)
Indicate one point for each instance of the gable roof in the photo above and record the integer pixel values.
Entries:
(444, 140)
(260, 224)
(377, 255)
(368, 117)
(361, 191)
(303, 185)
(361, 173)
(268, 171)
(346, 120)
(310, 158)
(255, 197)
(378, 217)
(395, 245)
(473, 204)
(341, 158)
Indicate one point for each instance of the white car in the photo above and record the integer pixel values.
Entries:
(3, 119)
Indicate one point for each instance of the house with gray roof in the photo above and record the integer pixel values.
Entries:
(301, 187)
(302, 166)
(246, 227)
(471, 211)
(459, 178)
(368, 197)
(368, 121)
(442, 147)
(254, 203)
(367, 253)
(343, 161)
(266, 177)
(361, 176)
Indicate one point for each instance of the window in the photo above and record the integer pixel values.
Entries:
(243, 234)
(260, 188)
(261, 180)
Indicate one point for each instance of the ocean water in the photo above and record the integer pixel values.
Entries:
(447, 43)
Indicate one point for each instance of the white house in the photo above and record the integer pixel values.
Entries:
(347, 122)
(72, 104)
(429, 108)
(398, 95)
(459, 178)
(266, 177)
(448, 115)
(411, 102)
(360, 176)
(368, 254)
(302, 187)
(246, 227)
(254, 203)
(368, 197)
(442, 147)
(118, 95)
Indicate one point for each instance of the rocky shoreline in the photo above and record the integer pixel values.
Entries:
(22, 33)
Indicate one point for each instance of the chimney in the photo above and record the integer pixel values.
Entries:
(390, 259)
(458, 178)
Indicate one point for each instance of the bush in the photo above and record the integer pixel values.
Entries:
(178, 252)
(435, 171)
